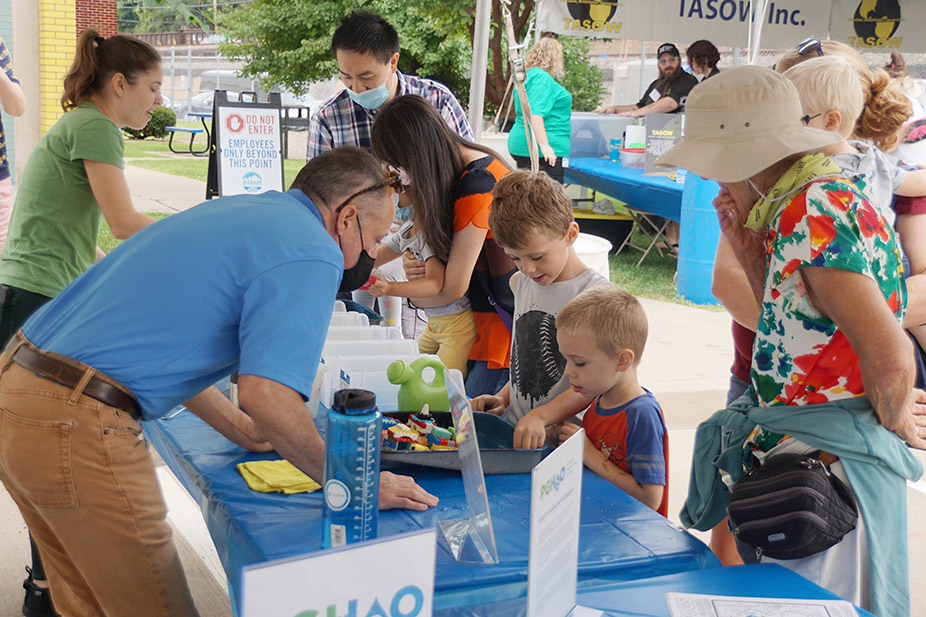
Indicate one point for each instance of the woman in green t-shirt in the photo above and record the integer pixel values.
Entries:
(73, 176)
(551, 110)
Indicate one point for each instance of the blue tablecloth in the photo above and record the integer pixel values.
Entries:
(646, 598)
(620, 539)
(654, 194)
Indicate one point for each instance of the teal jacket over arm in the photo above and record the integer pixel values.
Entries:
(876, 461)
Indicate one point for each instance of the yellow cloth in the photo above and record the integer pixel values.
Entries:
(804, 171)
(276, 476)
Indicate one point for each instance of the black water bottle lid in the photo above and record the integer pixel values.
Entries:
(354, 400)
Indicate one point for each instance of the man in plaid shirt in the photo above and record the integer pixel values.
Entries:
(367, 50)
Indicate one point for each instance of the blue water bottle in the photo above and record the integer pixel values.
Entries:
(352, 454)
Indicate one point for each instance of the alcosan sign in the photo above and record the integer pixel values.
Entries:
(249, 149)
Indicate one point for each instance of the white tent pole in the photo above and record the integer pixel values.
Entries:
(643, 68)
(757, 33)
(477, 84)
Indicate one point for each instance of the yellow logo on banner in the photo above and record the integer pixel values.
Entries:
(875, 22)
(592, 16)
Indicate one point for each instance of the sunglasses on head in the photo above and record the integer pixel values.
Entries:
(392, 180)
(810, 46)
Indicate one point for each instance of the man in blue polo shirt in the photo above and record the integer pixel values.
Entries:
(242, 283)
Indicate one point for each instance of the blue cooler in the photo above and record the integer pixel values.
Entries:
(698, 238)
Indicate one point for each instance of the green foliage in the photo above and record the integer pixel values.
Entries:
(582, 78)
(161, 117)
(164, 15)
(288, 43)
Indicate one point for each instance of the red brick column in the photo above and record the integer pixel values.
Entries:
(98, 14)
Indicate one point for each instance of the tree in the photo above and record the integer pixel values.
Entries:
(165, 15)
(286, 42)
(582, 78)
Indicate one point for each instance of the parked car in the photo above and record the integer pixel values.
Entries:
(202, 103)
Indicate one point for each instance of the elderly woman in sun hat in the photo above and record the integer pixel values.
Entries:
(831, 372)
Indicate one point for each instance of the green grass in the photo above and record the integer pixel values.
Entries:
(155, 155)
(107, 241)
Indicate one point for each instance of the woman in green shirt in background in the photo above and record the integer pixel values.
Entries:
(551, 110)
(75, 174)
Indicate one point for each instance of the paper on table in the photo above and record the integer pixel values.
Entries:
(697, 605)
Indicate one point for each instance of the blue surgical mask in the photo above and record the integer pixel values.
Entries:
(372, 98)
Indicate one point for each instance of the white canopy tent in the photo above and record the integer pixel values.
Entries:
(868, 25)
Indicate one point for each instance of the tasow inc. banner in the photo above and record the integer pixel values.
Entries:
(864, 24)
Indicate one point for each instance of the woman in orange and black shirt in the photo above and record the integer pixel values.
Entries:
(451, 183)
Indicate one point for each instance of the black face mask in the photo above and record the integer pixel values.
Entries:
(358, 274)
(355, 276)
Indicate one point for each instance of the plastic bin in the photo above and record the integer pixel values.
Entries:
(348, 333)
(351, 372)
(496, 447)
(370, 347)
(591, 134)
(593, 251)
(349, 319)
(633, 157)
(698, 238)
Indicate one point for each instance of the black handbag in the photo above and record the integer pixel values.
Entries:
(791, 507)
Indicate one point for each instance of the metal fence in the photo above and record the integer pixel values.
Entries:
(193, 71)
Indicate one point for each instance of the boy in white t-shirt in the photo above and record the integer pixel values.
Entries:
(532, 221)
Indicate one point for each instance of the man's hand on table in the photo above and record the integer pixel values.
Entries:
(402, 492)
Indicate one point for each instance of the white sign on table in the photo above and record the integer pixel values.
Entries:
(392, 576)
(553, 558)
(698, 605)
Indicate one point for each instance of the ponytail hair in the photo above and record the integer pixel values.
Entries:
(98, 59)
(885, 111)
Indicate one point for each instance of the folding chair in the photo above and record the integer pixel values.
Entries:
(648, 226)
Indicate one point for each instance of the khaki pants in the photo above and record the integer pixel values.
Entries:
(451, 337)
(85, 484)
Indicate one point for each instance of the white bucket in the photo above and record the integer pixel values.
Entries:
(593, 251)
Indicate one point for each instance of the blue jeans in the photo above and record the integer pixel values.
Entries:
(485, 380)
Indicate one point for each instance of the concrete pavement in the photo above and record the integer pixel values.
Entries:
(686, 365)
(153, 191)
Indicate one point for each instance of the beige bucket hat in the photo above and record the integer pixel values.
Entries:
(740, 122)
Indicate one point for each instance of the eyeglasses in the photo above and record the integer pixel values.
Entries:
(392, 180)
(810, 46)
(806, 119)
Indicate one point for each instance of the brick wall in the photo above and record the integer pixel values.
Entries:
(56, 51)
(60, 21)
(98, 14)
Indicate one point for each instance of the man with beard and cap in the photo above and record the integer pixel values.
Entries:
(243, 283)
(666, 94)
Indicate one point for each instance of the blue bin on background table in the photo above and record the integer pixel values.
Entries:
(698, 238)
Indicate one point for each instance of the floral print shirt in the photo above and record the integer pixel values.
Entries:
(799, 356)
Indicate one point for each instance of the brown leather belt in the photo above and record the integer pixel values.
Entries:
(65, 374)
